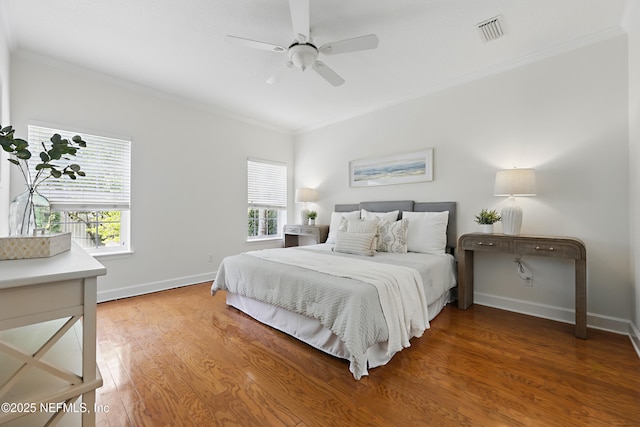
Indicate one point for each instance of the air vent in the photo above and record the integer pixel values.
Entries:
(491, 29)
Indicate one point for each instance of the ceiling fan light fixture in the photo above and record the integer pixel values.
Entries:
(303, 55)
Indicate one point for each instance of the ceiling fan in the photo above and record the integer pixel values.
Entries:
(302, 52)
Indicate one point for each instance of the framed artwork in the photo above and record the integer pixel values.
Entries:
(395, 169)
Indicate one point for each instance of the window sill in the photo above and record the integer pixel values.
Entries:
(265, 240)
(112, 255)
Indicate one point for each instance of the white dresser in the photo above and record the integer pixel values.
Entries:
(48, 368)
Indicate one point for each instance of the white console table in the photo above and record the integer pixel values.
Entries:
(40, 378)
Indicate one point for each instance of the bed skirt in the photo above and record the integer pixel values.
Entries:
(311, 331)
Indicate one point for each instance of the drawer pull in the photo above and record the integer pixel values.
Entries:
(482, 244)
(538, 248)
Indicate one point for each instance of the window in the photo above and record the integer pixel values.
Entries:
(94, 208)
(267, 199)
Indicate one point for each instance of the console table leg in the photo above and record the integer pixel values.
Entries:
(465, 279)
(581, 298)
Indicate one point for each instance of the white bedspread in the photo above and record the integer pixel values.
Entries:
(400, 288)
(351, 307)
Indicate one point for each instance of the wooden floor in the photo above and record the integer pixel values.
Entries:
(183, 358)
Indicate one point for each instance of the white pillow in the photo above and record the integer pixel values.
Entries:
(386, 216)
(334, 225)
(427, 232)
(355, 243)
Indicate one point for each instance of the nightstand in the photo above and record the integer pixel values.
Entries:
(315, 233)
(546, 246)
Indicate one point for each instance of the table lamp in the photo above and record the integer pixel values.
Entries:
(305, 195)
(514, 182)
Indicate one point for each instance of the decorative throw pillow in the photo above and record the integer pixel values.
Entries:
(427, 232)
(334, 225)
(355, 243)
(392, 236)
(359, 225)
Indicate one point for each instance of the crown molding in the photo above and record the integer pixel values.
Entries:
(485, 72)
(148, 90)
(631, 8)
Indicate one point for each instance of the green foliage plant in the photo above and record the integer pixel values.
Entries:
(60, 150)
(488, 217)
(312, 214)
(269, 216)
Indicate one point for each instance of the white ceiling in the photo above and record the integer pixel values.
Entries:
(179, 47)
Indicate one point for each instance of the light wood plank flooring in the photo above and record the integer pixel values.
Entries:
(183, 358)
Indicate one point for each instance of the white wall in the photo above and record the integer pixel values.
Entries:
(188, 193)
(634, 154)
(566, 116)
(4, 121)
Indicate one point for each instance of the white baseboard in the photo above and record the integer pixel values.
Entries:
(146, 288)
(634, 334)
(560, 314)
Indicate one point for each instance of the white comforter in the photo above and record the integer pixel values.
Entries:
(350, 307)
(400, 289)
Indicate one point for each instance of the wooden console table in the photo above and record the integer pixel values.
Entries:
(37, 296)
(556, 247)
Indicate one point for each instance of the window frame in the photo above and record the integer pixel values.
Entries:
(97, 200)
(263, 196)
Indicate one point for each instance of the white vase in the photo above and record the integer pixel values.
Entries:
(312, 221)
(487, 228)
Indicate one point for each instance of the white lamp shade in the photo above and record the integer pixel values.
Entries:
(515, 182)
(304, 195)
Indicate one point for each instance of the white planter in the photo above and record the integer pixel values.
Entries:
(487, 228)
(312, 221)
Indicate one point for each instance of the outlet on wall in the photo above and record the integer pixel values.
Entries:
(210, 257)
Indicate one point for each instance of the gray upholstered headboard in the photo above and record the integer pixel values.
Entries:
(410, 206)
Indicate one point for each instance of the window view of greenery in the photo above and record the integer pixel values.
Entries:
(262, 222)
(90, 229)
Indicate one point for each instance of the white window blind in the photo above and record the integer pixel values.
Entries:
(267, 184)
(106, 162)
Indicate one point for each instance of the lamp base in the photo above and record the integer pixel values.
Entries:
(303, 216)
(511, 218)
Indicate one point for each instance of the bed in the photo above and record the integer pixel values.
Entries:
(357, 306)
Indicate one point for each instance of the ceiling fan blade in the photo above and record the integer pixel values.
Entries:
(350, 45)
(327, 73)
(255, 44)
(277, 75)
(300, 19)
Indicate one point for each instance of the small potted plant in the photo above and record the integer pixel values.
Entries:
(486, 219)
(311, 216)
